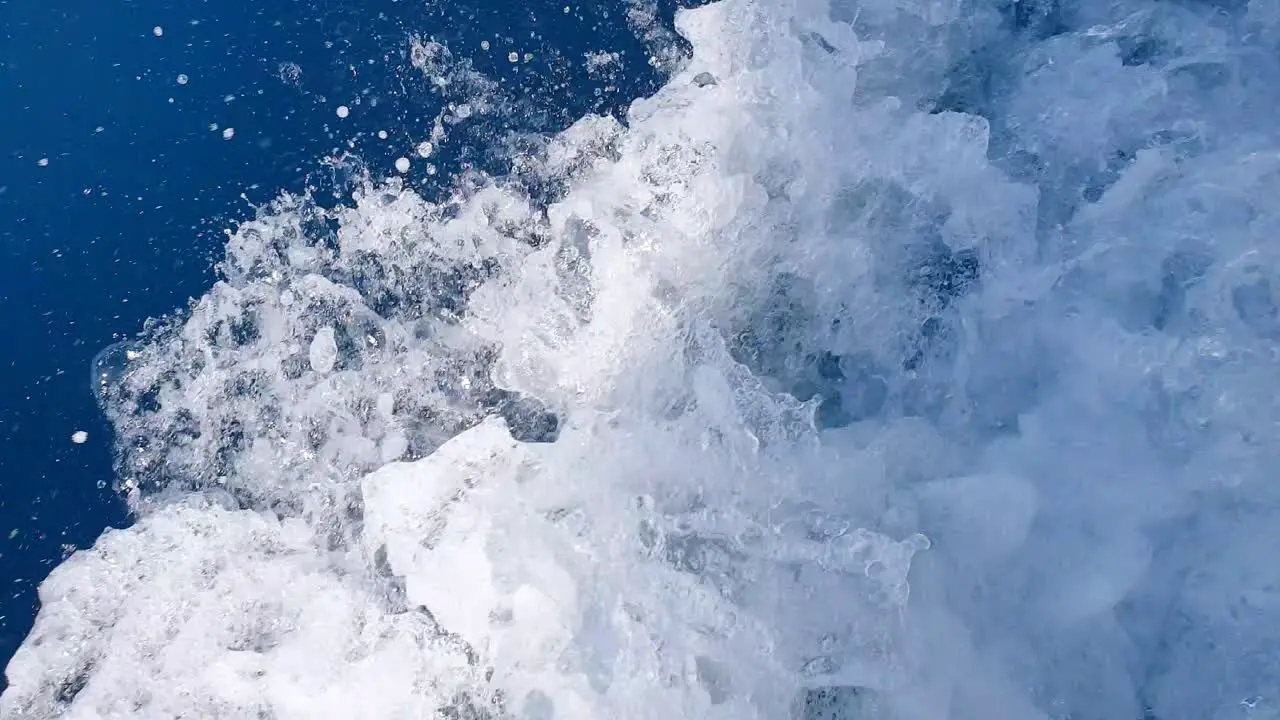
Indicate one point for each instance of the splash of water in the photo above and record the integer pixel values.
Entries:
(896, 359)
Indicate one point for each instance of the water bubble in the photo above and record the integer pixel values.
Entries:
(821, 665)
(343, 111)
(402, 165)
(110, 366)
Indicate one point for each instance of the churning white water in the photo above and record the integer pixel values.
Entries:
(898, 360)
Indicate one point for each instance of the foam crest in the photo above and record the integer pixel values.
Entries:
(895, 360)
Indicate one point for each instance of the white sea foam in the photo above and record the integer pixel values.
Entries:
(896, 360)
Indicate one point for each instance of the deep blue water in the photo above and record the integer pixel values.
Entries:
(115, 189)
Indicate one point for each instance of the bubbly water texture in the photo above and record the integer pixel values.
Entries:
(903, 359)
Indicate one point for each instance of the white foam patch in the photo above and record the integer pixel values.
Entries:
(843, 381)
(202, 612)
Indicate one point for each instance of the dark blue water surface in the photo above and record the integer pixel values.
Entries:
(117, 184)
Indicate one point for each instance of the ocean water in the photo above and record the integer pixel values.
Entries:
(891, 359)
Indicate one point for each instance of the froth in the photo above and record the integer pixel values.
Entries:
(838, 380)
